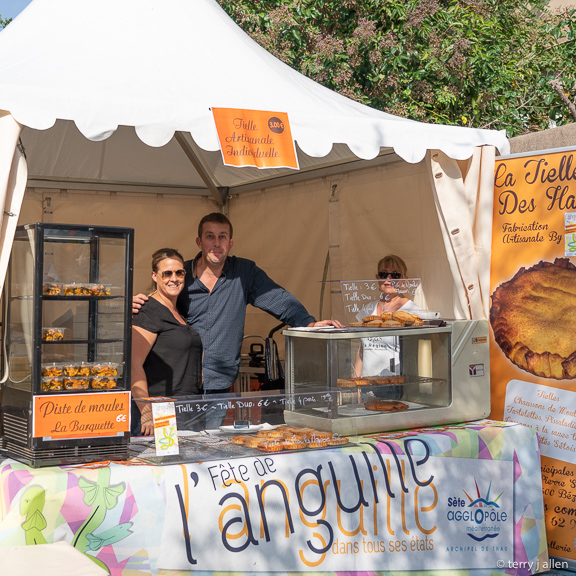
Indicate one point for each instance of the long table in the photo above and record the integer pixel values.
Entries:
(466, 498)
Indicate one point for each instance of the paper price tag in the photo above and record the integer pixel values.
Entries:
(165, 428)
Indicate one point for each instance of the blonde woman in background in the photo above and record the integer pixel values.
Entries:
(380, 355)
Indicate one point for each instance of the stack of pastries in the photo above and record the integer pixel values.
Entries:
(371, 381)
(396, 319)
(289, 438)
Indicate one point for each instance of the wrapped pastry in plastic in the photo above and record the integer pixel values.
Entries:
(51, 288)
(51, 369)
(103, 382)
(52, 384)
(76, 289)
(76, 383)
(100, 289)
(51, 334)
(105, 369)
(77, 369)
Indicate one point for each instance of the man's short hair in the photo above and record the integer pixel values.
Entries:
(217, 218)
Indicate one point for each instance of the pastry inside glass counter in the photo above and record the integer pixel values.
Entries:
(76, 289)
(104, 369)
(52, 334)
(73, 369)
(398, 319)
(103, 382)
(52, 384)
(76, 382)
(100, 289)
(51, 369)
(51, 288)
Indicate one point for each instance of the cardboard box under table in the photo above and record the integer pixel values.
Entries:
(465, 497)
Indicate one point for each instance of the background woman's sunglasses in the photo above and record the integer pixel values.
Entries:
(383, 274)
(166, 274)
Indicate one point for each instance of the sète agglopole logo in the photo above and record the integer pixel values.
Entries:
(481, 514)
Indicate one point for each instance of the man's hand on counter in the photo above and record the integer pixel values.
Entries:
(321, 323)
(137, 302)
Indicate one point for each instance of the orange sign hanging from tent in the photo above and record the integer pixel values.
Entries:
(255, 138)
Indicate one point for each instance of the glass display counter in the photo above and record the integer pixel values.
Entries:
(432, 374)
(65, 396)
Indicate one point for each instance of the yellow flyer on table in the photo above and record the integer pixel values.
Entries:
(165, 429)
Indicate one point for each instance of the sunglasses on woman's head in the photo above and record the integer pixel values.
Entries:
(383, 274)
(167, 274)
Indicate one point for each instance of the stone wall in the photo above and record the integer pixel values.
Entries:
(559, 137)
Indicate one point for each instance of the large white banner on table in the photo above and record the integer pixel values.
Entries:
(328, 510)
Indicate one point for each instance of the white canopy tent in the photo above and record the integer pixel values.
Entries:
(117, 95)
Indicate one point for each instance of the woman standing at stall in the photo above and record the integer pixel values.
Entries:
(380, 355)
(166, 352)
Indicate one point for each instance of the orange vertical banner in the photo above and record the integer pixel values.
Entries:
(533, 313)
(255, 138)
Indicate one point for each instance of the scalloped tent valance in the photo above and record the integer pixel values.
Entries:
(160, 65)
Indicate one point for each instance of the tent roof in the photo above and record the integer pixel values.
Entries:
(159, 66)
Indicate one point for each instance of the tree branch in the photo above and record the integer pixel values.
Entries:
(559, 88)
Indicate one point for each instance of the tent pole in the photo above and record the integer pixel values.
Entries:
(220, 194)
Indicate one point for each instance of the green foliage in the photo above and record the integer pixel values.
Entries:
(481, 63)
(4, 22)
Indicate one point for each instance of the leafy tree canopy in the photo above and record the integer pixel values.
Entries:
(499, 64)
(4, 22)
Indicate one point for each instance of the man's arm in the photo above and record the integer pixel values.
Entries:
(321, 323)
(272, 298)
(137, 302)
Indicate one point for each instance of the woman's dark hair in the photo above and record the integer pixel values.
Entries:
(164, 253)
(157, 257)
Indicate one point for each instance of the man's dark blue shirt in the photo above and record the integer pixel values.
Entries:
(219, 316)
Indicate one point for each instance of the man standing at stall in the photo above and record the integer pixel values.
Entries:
(217, 289)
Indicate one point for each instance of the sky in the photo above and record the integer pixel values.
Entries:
(11, 8)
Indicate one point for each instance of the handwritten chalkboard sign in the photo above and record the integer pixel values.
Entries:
(252, 402)
(360, 297)
(197, 413)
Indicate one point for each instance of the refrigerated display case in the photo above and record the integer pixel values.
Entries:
(439, 374)
(66, 335)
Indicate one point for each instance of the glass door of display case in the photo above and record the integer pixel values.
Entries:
(428, 375)
(67, 310)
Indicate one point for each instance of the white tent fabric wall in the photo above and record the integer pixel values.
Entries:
(391, 209)
(13, 173)
(356, 217)
(158, 219)
(464, 194)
